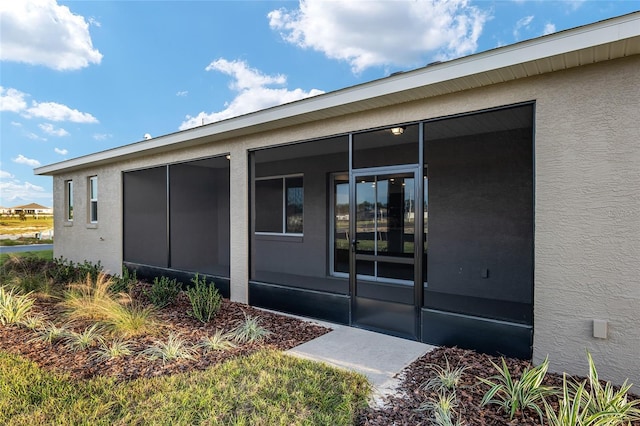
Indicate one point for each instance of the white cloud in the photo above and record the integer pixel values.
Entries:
(93, 21)
(12, 100)
(368, 33)
(42, 32)
(35, 137)
(12, 191)
(101, 136)
(244, 76)
(253, 93)
(522, 23)
(49, 129)
(574, 4)
(61, 151)
(549, 28)
(182, 93)
(21, 159)
(5, 175)
(57, 112)
(15, 123)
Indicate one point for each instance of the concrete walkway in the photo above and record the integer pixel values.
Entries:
(377, 356)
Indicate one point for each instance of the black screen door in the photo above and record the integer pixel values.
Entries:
(383, 256)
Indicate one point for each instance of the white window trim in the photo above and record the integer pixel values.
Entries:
(92, 199)
(284, 206)
(68, 202)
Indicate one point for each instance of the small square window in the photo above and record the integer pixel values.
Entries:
(280, 205)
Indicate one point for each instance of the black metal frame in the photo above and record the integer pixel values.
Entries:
(393, 320)
(437, 322)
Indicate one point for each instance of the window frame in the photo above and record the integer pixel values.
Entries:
(68, 200)
(342, 178)
(93, 199)
(283, 212)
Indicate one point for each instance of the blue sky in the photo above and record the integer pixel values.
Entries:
(79, 77)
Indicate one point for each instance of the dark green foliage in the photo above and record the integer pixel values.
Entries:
(125, 282)
(163, 291)
(87, 268)
(205, 299)
(26, 274)
(22, 265)
(66, 271)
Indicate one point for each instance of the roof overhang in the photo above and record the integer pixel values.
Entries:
(602, 41)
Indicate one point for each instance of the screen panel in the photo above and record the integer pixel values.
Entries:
(145, 216)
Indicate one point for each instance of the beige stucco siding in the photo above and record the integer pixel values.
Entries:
(80, 240)
(587, 216)
(587, 204)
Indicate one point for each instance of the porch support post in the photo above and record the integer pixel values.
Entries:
(238, 223)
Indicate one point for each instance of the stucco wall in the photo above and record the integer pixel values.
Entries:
(80, 240)
(587, 239)
(587, 205)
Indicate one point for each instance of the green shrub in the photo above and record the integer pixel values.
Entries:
(205, 299)
(36, 283)
(125, 282)
(598, 406)
(219, 341)
(90, 299)
(33, 322)
(50, 333)
(26, 274)
(606, 399)
(250, 330)
(173, 348)
(163, 291)
(94, 300)
(89, 337)
(14, 307)
(87, 268)
(65, 271)
(131, 320)
(446, 378)
(442, 409)
(114, 349)
(24, 265)
(514, 395)
(570, 410)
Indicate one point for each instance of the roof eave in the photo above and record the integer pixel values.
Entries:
(496, 65)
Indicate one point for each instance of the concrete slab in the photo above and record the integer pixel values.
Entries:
(377, 356)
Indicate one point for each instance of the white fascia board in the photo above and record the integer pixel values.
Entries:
(585, 37)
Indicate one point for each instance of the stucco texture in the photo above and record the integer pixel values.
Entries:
(587, 204)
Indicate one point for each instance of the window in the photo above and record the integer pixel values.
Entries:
(340, 224)
(280, 205)
(93, 199)
(68, 196)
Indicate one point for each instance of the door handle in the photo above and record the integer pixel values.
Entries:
(354, 245)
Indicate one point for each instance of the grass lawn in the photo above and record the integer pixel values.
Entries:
(14, 226)
(44, 254)
(265, 388)
(21, 241)
(56, 366)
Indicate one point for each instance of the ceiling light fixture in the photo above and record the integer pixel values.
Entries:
(397, 131)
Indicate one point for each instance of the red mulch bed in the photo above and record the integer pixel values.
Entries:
(402, 408)
(286, 333)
